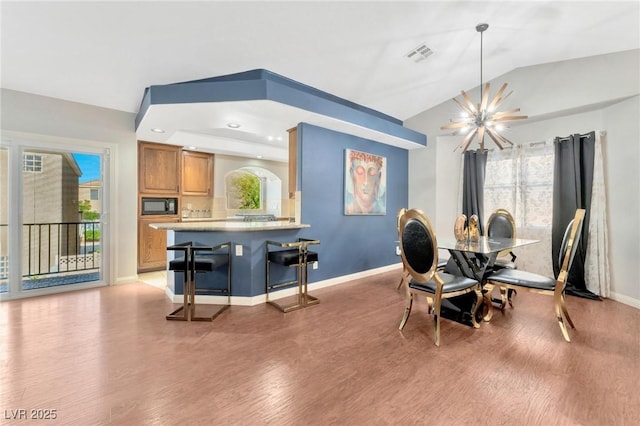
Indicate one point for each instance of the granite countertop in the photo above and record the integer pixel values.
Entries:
(228, 226)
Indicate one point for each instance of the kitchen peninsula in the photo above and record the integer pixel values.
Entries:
(248, 255)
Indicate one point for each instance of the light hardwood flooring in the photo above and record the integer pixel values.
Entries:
(108, 356)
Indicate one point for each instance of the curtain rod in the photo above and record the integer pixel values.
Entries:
(566, 138)
(517, 145)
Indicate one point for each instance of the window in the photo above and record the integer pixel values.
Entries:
(32, 163)
(521, 181)
(253, 190)
(244, 191)
(94, 194)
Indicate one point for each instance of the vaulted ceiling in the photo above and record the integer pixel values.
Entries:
(106, 53)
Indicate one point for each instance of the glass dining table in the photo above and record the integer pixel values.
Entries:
(473, 259)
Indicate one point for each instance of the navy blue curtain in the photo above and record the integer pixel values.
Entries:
(475, 165)
(572, 185)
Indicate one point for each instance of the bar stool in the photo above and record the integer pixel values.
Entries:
(293, 254)
(192, 262)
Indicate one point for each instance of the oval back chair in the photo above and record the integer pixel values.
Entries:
(419, 251)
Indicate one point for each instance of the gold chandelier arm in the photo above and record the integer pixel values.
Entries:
(495, 139)
(502, 138)
(467, 140)
(467, 99)
(513, 117)
(463, 106)
(481, 136)
(496, 98)
(503, 113)
(456, 125)
(501, 100)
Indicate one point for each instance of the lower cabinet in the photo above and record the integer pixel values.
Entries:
(152, 244)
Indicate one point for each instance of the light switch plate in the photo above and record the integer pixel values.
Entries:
(315, 265)
(238, 249)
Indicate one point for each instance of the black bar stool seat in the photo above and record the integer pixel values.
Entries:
(290, 257)
(291, 254)
(202, 259)
(203, 262)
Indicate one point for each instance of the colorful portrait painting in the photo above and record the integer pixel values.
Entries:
(365, 183)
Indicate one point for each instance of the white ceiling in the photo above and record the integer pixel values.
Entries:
(106, 53)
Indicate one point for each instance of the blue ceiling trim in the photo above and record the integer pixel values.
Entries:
(260, 84)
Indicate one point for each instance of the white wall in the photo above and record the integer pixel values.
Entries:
(56, 122)
(598, 93)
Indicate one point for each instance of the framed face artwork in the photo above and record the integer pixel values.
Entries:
(365, 183)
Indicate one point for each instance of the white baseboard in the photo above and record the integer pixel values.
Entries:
(262, 298)
(126, 280)
(625, 299)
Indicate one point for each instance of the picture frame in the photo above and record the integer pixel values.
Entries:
(365, 183)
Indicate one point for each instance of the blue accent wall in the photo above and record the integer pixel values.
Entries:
(348, 244)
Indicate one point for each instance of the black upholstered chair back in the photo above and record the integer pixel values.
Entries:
(501, 225)
(418, 245)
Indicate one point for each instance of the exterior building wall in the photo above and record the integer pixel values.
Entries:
(84, 193)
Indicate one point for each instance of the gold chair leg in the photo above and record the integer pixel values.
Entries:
(488, 302)
(404, 277)
(429, 305)
(407, 311)
(510, 297)
(504, 299)
(187, 302)
(566, 313)
(436, 323)
(560, 317)
(476, 307)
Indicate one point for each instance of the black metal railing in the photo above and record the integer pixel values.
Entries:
(56, 248)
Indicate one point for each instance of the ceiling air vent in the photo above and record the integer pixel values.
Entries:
(420, 53)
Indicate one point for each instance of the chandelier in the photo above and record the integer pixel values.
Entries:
(482, 119)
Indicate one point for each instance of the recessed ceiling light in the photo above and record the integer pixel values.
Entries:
(270, 138)
(259, 157)
(233, 125)
(156, 130)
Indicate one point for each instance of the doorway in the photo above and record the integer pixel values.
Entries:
(52, 217)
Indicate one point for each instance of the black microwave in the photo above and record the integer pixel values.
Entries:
(157, 206)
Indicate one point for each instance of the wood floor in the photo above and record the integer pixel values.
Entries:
(108, 356)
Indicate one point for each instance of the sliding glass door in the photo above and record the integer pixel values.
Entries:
(56, 221)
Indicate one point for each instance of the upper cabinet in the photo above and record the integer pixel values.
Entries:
(158, 168)
(197, 173)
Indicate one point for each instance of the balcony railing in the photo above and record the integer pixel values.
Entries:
(56, 248)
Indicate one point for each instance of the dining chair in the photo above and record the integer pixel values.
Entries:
(502, 225)
(419, 251)
(518, 279)
(404, 277)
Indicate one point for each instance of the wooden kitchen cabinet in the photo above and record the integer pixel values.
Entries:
(197, 173)
(159, 168)
(152, 244)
